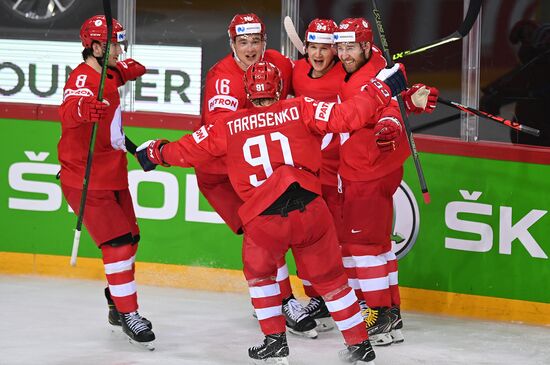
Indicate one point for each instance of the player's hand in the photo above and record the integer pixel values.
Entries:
(420, 98)
(130, 69)
(89, 109)
(395, 77)
(387, 131)
(149, 154)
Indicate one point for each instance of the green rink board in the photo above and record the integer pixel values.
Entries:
(484, 233)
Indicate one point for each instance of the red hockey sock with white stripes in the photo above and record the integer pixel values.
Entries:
(119, 264)
(266, 300)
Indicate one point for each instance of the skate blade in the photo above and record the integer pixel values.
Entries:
(272, 361)
(382, 339)
(397, 336)
(144, 345)
(324, 324)
(307, 334)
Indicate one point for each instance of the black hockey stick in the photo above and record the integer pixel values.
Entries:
(461, 32)
(387, 55)
(76, 240)
(514, 125)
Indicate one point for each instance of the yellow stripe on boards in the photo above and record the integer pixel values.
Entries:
(203, 278)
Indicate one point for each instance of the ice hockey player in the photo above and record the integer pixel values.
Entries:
(109, 215)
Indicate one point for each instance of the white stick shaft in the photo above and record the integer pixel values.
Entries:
(76, 243)
(293, 35)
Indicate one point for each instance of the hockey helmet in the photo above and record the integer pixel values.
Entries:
(242, 24)
(262, 80)
(353, 30)
(95, 29)
(320, 31)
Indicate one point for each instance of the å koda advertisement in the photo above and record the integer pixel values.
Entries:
(484, 233)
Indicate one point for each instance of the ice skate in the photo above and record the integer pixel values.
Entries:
(137, 330)
(396, 325)
(378, 324)
(298, 322)
(274, 350)
(114, 316)
(361, 353)
(317, 309)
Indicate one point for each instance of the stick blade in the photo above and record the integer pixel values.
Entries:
(293, 34)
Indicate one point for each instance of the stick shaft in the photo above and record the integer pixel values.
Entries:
(514, 125)
(78, 229)
(410, 139)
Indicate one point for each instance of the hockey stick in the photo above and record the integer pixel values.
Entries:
(76, 240)
(461, 32)
(293, 34)
(410, 138)
(514, 125)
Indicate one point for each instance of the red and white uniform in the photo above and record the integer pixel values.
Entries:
(370, 178)
(109, 168)
(224, 93)
(268, 149)
(109, 211)
(324, 88)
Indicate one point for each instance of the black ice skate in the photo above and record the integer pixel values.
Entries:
(137, 330)
(317, 309)
(298, 321)
(378, 324)
(274, 350)
(396, 325)
(114, 316)
(361, 353)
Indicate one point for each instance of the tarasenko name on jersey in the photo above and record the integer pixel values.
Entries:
(264, 119)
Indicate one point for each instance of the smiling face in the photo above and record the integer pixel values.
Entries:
(353, 55)
(321, 57)
(115, 51)
(248, 48)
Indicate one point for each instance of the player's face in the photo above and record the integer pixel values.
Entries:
(114, 52)
(320, 57)
(249, 48)
(351, 55)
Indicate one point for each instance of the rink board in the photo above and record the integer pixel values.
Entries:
(483, 238)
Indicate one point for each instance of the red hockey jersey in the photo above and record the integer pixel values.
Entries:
(360, 157)
(224, 92)
(109, 167)
(324, 88)
(269, 148)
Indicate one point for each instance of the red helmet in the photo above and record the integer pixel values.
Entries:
(262, 80)
(353, 30)
(321, 31)
(246, 24)
(95, 29)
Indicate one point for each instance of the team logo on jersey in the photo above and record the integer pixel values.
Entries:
(406, 221)
(322, 111)
(224, 102)
(77, 92)
(200, 134)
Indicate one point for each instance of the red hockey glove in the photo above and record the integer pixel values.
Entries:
(89, 109)
(130, 69)
(149, 154)
(420, 98)
(387, 131)
(395, 77)
(378, 90)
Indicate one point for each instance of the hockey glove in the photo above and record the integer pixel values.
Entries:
(420, 98)
(149, 154)
(89, 109)
(378, 90)
(394, 77)
(387, 131)
(129, 70)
